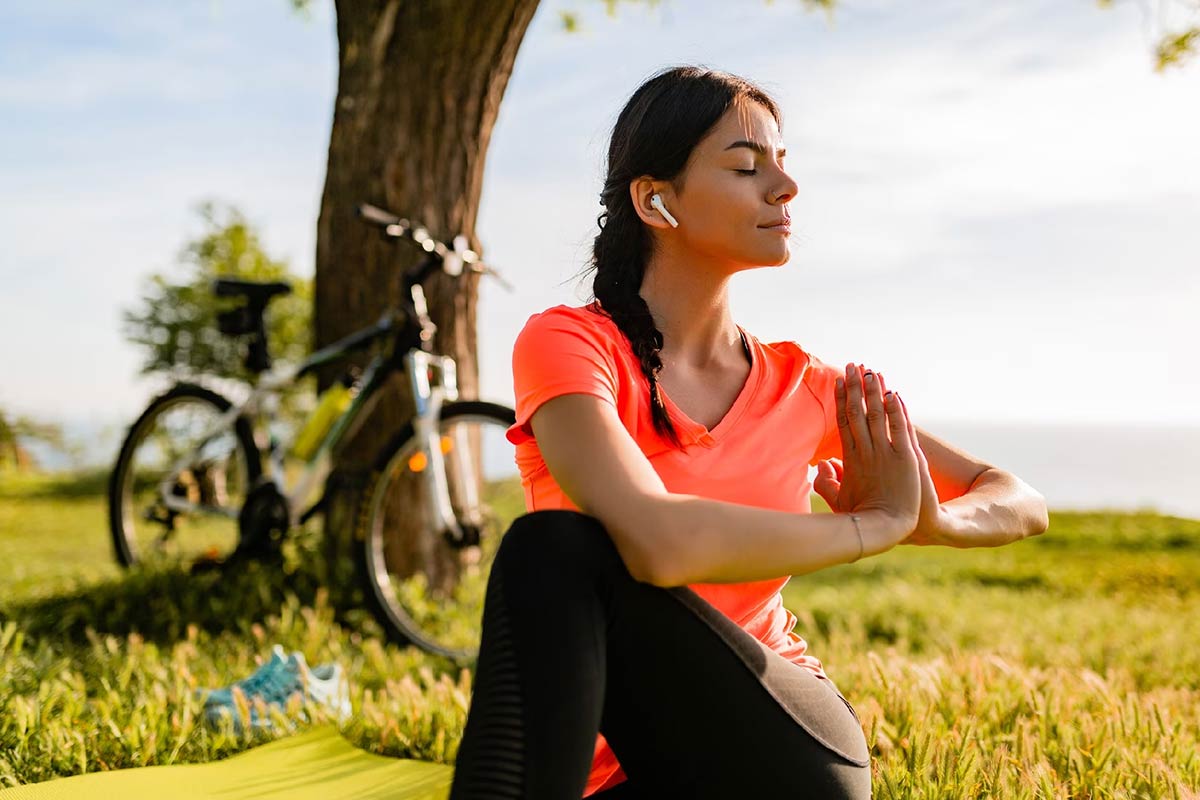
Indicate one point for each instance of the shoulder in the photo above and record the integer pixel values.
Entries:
(563, 350)
(798, 366)
(584, 320)
(802, 362)
(569, 329)
(812, 379)
(564, 339)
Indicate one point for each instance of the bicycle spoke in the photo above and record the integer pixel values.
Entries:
(182, 483)
(161, 541)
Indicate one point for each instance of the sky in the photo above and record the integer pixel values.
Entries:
(997, 207)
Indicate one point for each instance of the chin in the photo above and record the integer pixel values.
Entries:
(767, 257)
(767, 264)
(779, 259)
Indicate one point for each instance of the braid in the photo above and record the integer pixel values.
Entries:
(619, 255)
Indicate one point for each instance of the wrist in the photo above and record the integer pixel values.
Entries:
(951, 527)
(858, 540)
(880, 531)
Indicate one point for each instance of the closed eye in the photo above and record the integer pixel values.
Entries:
(747, 171)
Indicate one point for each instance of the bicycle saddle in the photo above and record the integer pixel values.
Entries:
(254, 291)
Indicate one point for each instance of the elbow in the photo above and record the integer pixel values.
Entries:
(1026, 504)
(647, 570)
(638, 558)
(663, 573)
(673, 557)
(1038, 516)
(659, 565)
(647, 550)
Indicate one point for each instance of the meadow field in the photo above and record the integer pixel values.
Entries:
(1063, 666)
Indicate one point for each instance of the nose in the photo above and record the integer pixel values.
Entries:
(786, 189)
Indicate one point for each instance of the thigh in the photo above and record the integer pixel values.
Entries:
(691, 704)
(697, 707)
(703, 712)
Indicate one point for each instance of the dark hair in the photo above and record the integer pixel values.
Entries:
(655, 134)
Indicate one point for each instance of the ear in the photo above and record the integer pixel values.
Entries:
(641, 190)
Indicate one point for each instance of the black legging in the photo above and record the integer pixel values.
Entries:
(691, 704)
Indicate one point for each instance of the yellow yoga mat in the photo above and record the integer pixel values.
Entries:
(318, 764)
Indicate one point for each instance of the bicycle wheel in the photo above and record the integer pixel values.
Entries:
(425, 588)
(214, 480)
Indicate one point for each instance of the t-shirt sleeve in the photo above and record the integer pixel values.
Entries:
(557, 353)
(821, 377)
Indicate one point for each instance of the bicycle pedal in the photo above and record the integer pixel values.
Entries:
(165, 518)
(268, 552)
(207, 563)
(469, 538)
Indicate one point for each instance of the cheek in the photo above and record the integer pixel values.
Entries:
(731, 240)
(732, 206)
(719, 227)
(724, 216)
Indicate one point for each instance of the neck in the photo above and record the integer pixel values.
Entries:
(689, 300)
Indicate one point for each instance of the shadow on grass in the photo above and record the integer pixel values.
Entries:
(159, 605)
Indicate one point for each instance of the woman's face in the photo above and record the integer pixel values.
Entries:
(734, 189)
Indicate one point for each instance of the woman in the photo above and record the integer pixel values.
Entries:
(634, 639)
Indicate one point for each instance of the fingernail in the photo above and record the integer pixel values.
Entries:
(869, 378)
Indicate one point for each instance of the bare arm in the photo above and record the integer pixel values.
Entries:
(767, 544)
(674, 539)
(997, 509)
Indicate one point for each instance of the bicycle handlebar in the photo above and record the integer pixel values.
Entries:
(452, 259)
(377, 215)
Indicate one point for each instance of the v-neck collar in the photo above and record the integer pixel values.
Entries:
(695, 431)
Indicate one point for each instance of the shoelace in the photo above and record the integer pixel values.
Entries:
(260, 677)
(272, 685)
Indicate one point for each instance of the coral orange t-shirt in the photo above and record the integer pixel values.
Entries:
(783, 421)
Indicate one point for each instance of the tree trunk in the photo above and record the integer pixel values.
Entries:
(419, 89)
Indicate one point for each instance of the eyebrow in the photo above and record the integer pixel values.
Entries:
(761, 149)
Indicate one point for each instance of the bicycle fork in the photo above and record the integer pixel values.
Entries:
(429, 398)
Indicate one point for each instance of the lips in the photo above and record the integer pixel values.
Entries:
(778, 225)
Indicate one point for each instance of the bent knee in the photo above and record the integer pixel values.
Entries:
(557, 537)
(849, 781)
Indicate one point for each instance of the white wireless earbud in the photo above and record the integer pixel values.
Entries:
(656, 201)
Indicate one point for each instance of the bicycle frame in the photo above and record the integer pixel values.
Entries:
(432, 378)
(432, 381)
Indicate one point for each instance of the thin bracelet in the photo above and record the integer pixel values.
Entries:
(854, 517)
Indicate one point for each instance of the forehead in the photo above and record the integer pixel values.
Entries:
(745, 120)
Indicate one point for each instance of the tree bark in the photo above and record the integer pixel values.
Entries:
(419, 89)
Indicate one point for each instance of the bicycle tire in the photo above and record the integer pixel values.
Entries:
(399, 625)
(126, 551)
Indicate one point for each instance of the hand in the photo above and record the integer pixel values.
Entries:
(879, 473)
(829, 472)
(934, 525)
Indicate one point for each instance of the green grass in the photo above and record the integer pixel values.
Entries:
(1064, 666)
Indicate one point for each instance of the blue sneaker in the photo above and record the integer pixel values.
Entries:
(276, 682)
(249, 686)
